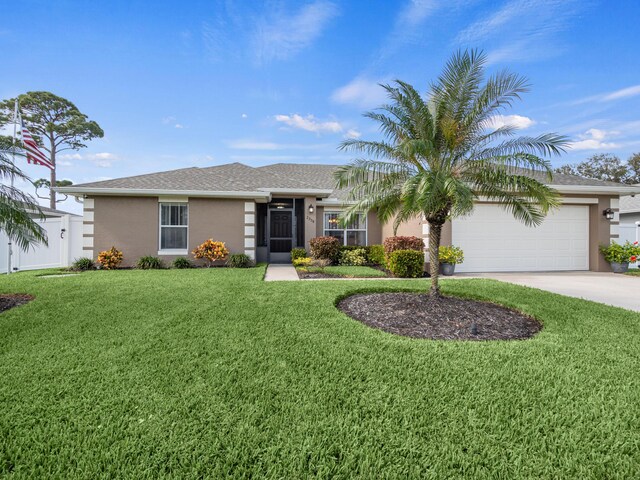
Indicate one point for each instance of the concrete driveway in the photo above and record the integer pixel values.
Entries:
(612, 289)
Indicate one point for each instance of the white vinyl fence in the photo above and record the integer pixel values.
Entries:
(65, 245)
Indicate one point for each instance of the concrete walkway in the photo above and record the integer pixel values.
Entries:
(277, 272)
(609, 288)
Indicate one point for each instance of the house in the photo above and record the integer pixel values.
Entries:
(630, 217)
(266, 211)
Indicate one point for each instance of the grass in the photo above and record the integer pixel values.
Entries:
(348, 271)
(634, 272)
(215, 373)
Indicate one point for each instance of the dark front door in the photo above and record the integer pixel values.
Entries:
(281, 235)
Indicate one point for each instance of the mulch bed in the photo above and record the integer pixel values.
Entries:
(13, 300)
(446, 318)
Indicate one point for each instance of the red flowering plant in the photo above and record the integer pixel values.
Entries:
(616, 253)
(211, 251)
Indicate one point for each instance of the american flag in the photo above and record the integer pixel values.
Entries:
(34, 155)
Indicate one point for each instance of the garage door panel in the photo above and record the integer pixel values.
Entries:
(493, 240)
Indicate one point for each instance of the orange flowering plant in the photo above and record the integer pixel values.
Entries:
(110, 259)
(211, 251)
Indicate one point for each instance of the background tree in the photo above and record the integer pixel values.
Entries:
(441, 153)
(17, 208)
(46, 184)
(606, 166)
(55, 123)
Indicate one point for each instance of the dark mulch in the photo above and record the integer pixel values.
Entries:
(446, 318)
(13, 300)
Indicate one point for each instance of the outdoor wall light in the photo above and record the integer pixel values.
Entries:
(311, 208)
(608, 213)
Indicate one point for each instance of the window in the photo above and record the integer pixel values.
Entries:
(354, 233)
(174, 221)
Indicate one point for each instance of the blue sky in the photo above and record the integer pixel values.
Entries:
(204, 83)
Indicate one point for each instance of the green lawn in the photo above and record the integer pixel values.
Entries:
(215, 373)
(634, 271)
(349, 271)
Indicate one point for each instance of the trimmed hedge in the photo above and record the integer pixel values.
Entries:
(356, 256)
(406, 263)
(375, 254)
(391, 244)
(325, 248)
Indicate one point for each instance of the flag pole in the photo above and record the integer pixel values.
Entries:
(13, 164)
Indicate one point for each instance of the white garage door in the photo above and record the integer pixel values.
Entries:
(493, 241)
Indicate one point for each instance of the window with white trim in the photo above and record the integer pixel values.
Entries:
(353, 233)
(174, 225)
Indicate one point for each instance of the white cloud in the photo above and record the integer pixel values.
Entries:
(595, 139)
(521, 30)
(244, 115)
(627, 92)
(102, 163)
(102, 156)
(248, 144)
(70, 156)
(309, 123)
(518, 121)
(63, 163)
(172, 121)
(178, 125)
(352, 133)
(364, 93)
(284, 34)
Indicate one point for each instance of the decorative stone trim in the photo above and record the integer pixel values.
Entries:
(250, 230)
(88, 226)
(614, 227)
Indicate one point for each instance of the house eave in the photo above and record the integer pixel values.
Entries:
(134, 192)
(597, 189)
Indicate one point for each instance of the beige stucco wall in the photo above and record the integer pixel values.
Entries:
(131, 224)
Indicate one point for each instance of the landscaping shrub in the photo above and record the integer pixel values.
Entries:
(211, 251)
(375, 254)
(239, 260)
(325, 248)
(82, 265)
(182, 262)
(298, 253)
(391, 244)
(321, 263)
(356, 256)
(302, 262)
(149, 263)
(406, 263)
(629, 252)
(110, 259)
(450, 254)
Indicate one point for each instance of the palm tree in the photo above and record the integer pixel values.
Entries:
(442, 152)
(17, 208)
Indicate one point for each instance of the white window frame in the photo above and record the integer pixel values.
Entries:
(172, 251)
(345, 230)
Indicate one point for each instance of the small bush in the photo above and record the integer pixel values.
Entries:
(82, 265)
(149, 263)
(302, 262)
(450, 254)
(321, 263)
(110, 259)
(182, 262)
(406, 263)
(391, 244)
(298, 253)
(325, 248)
(375, 254)
(239, 260)
(356, 256)
(629, 252)
(211, 251)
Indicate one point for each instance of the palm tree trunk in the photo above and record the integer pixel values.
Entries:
(435, 231)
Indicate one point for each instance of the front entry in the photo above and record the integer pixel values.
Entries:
(280, 236)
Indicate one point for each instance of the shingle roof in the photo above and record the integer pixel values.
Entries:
(237, 177)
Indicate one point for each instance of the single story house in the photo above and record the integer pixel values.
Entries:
(266, 211)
